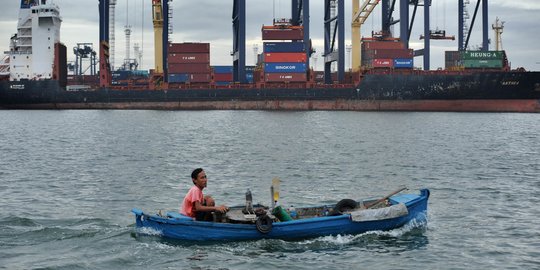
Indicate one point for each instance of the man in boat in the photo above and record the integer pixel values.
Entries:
(195, 204)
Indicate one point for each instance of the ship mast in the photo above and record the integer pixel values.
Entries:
(498, 28)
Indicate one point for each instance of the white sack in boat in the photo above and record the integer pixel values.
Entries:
(393, 211)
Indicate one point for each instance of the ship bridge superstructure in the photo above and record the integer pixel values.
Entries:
(32, 48)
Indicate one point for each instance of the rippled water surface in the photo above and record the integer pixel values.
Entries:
(68, 180)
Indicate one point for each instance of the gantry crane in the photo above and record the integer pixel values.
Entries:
(359, 16)
(157, 16)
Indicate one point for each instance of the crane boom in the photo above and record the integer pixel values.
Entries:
(359, 16)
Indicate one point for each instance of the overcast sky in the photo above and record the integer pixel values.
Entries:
(210, 21)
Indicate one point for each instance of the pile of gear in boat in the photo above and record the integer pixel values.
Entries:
(263, 216)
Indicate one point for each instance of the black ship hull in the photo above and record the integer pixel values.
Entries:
(422, 91)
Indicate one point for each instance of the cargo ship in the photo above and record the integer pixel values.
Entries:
(34, 76)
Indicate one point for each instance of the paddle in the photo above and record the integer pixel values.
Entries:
(384, 198)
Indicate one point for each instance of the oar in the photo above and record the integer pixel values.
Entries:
(385, 198)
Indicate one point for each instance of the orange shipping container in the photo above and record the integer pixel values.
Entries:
(189, 48)
(382, 45)
(285, 77)
(283, 34)
(188, 58)
(223, 77)
(189, 68)
(200, 78)
(285, 57)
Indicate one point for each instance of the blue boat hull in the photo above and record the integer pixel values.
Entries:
(189, 229)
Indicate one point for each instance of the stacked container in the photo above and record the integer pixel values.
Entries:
(284, 61)
(386, 54)
(189, 63)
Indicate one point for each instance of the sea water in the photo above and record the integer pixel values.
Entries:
(68, 180)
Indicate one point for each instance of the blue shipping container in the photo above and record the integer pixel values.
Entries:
(179, 78)
(223, 69)
(269, 47)
(120, 75)
(223, 83)
(249, 77)
(284, 67)
(403, 63)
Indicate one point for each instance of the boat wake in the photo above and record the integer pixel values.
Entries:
(148, 231)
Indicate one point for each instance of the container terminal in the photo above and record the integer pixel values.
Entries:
(34, 72)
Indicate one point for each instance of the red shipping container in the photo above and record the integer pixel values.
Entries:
(189, 68)
(223, 77)
(388, 54)
(283, 34)
(200, 78)
(382, 45)
(285, 57)
(383, 63)
(285, 77)
(189, 48)
(188, 58)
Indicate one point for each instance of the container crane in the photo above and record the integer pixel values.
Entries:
(157, 16)
(360, 15)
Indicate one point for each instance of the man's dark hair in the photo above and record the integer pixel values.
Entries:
(195, 173)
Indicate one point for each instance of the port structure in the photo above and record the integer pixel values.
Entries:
(334, 32)
(360, 13)
(300, 17)
(104, 64)
(166, 10)
(465, 30)
(157, 17)
(84, 51)
(239, 41)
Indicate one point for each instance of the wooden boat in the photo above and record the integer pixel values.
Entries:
(345, 217)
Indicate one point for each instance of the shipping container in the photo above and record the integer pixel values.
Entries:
(452, 56)
(223, 69)
(188, 48)
(120, 75)
(188, 58)
(285, 77)
(274, 47)
(223, 83)
(483, 63)
(382, 45)
(250, 68)
(488, 55)
(223, 77)
(404, 63)
(189, 68)
(285, 57)
(387, 54)
(283, 34)
(284, 67)
(200, 78)
(178, 78)
(318, 76)
(382, 63)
